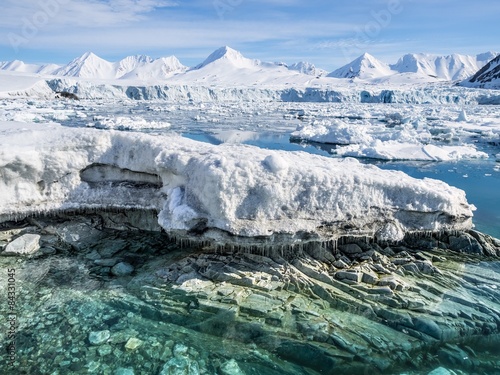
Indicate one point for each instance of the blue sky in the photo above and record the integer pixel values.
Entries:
(328, 33)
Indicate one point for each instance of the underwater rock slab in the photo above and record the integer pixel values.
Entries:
(26, 244)
(195, 309)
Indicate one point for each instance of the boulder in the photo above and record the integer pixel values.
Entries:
(27, 244)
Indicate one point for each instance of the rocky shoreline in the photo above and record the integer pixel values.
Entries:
(88, 282)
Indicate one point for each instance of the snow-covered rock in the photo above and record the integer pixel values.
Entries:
(240, 190)
(486, 77)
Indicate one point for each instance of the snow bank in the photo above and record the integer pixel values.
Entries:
(216, 190)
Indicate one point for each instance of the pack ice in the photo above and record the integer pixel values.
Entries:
(223, 192)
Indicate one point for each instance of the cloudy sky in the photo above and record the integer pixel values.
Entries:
(328, 33)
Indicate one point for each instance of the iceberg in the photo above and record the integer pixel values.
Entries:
(228, 193)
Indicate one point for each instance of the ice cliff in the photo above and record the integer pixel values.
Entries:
(217, 192)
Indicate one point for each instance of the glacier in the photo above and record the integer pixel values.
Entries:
(220, 192)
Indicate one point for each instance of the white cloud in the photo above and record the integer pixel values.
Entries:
(77, 13)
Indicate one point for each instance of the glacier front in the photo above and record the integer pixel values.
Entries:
(226, 192)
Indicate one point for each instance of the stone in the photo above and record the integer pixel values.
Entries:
(104, 350)
(387, 252)
(350, 249)
(133, 343)
(390, 281)
(122, 269)
(180, 366)
(79, 235)
(369, 277)
(231, 368)
(180, 350)
(465, 244)
(427, 326)
(124, 371)
(442, 371)
(340, 264)
(426, 267)
(345, 275)
(27, 244)
(48, 250)
(110, 262)
(411, 267)
(99, 337)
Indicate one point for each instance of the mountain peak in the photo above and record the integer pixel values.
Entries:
(87, 65)
(225, 54)
(87, 56)
(365, 66)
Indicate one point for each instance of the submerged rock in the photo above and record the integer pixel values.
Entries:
(133, 343)
(27, 244)
(122, 269)
(99, 337)
(231, 368)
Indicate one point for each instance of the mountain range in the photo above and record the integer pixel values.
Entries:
(232, 65)
(450, 68)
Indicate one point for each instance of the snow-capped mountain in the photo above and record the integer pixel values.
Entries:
(88, 65)
(364, 67)
(229, 57)
(228, 66)
(488, 76)
(130, 63)
(161, 68)
(307, 68)
(21, 67)
(451, 68)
